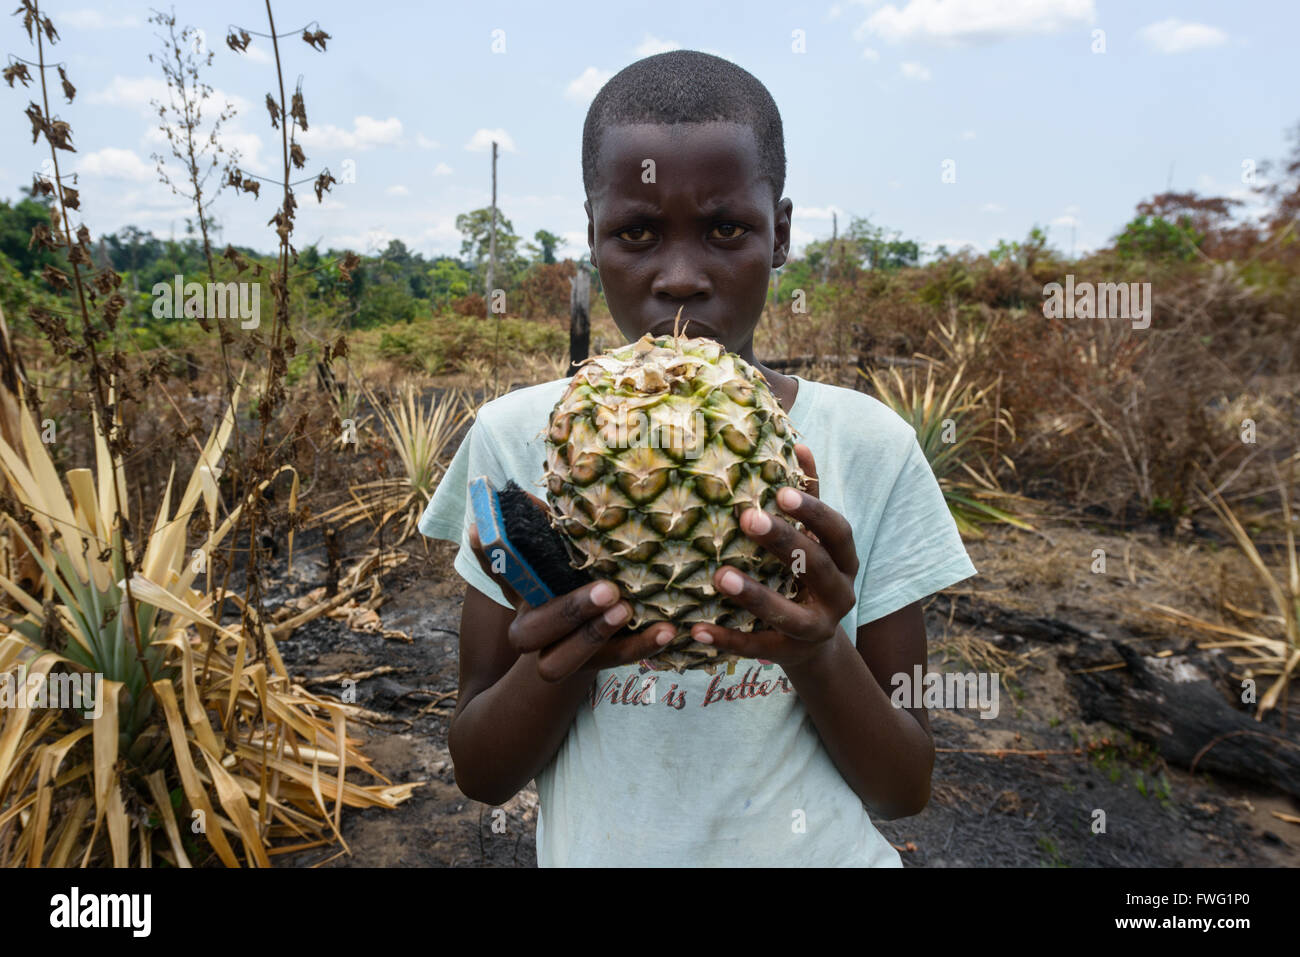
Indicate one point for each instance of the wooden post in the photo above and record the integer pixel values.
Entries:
(492, 241)
(830, 250)
(579, 317)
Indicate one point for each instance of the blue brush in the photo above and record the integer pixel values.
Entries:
(500, 551)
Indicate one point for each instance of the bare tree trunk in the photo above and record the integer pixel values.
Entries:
(579, 318)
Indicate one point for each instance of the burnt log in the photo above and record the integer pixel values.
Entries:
(965, 609)
(1184, 707)
(579, 318)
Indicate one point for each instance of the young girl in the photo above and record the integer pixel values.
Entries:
(783, 761)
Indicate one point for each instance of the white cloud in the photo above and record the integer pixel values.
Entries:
(398, 190)
(373, 240)
(249, 145)
(257, 54)
(586, 86)
(652, 45)
(870, 54)
(818, 212)
(93, 20)
(1254, 206)
(1065, 221)
(968, 134)
(800, 237)
(444, 230)
(975, 21)
(992, 208)
(366, 132)
(481, 141)
(1179, 36)
(138, 92)
(442, 169)
(425, 143)
(134, 91)
(115, 163)
(914, 71)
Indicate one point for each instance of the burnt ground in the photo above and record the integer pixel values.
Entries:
(1007, 809)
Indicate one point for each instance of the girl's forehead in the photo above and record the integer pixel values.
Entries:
(633, 157)
(704, 135)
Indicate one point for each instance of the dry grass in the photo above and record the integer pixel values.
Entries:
(184, 701)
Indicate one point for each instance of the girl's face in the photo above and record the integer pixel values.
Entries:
(696, 229)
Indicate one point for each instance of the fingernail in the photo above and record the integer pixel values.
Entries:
(759, 521)
(731, 582)
(616, 615)
(665, 635)
(788, 498)
(604, 594)
(702, 636)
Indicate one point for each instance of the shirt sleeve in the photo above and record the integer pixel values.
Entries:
(447, 515)
(917, 549)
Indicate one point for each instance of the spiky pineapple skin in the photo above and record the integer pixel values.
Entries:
(652, 454)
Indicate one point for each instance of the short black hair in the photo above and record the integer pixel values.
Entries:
(687, 86)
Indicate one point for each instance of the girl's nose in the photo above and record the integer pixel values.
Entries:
(680, 277)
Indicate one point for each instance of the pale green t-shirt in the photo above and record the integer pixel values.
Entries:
(691, 770)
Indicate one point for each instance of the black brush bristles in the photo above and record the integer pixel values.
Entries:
(540, 545)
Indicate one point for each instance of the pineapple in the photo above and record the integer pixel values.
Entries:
(652, 454)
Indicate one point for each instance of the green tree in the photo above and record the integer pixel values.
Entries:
(386, 302)
(1024, 254)
(16, 223)
(476, 227)
(878, 250)
(448, 280)
(1153, 237)
(544, 249)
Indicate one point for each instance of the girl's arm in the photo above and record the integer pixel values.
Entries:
(523, 675)
(886, 754)
(508, 722)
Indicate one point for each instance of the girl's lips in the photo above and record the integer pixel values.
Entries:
(693, 329)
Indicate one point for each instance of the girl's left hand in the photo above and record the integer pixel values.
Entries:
(798, 629)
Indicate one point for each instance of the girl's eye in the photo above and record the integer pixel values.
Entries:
(645, 234)
(730, 230)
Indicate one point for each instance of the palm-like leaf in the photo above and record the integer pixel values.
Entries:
(952, 425)
(154, 736)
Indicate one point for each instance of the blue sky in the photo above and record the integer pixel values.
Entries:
(1041, 128)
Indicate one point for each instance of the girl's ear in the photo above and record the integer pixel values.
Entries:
(591, 234)
(781, 233)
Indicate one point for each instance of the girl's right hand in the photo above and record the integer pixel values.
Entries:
(580, 630)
